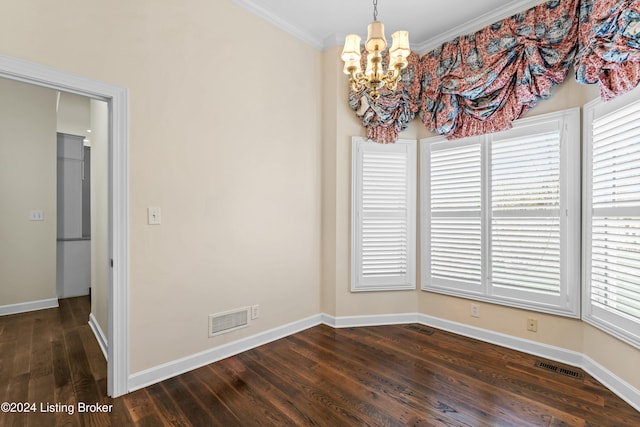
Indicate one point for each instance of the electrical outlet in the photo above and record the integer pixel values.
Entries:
(255, 311)
(475, 310)
(532, 324)
(37, 215)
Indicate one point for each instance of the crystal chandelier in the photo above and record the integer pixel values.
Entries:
(375, 76)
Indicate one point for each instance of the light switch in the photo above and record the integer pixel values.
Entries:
(36, 215)
(153, 216)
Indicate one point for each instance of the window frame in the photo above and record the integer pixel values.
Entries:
(568, 302)
(457, 288)
(616, 325)
(403, 282)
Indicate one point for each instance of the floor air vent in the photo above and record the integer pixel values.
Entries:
(221, 323)
(559, 369)
(420, 329)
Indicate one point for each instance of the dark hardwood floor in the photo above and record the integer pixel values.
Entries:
(406, 375)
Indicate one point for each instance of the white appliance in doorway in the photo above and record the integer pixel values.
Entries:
(74, 227)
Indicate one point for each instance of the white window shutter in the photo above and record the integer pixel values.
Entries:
(501, 215)
(452, 226)
(612, 216)
(383, 216)
(526, 259)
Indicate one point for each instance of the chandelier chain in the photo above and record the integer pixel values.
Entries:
(375, 10)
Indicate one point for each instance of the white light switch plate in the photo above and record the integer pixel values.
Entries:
(153, 216)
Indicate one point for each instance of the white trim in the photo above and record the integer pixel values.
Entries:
(284, 25)
(422, 47)
(519, 344)
(335, 39)
(117, 98)
(100, 336)
(24, 307)
(617, 385)
(369, 320)
(118, 301)
(176, 367)
(613, 323)
(170, 369)
(476, 24)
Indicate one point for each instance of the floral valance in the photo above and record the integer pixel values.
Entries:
(609, 42)
(481, 82)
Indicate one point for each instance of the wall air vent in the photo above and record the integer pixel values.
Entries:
(221, 323)
(559, 369)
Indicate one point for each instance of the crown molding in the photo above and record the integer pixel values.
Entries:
(475, 24)
(419, 47)
(281, 23)
(335, 39)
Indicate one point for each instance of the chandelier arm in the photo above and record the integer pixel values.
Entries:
(394, 73)
(391, 78)
(358, 81)
(392, 85)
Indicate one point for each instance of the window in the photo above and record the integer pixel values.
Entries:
(501, 215)
(611, 221)
(383, 222)
(455, 222)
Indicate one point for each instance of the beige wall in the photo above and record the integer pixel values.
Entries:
(332, 96)
(223, 138)
(620, 358)
(27, 182)
(99, 139)
(340, 125)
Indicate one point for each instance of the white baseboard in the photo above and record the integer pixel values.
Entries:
(617, 385)
(24, 307)
(100, 336)
(520, 344)
(171, 369)
(370, 320)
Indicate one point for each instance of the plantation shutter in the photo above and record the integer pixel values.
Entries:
(614, 223)
(501, 215)
(383, 216)
(454, 223)
(525, 225)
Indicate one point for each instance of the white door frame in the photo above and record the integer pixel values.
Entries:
(116, 97)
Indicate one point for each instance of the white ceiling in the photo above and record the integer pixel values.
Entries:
(324, 23)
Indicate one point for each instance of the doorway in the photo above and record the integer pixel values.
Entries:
(116, 99)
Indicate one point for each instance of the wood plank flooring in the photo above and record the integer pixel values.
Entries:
(404, 375)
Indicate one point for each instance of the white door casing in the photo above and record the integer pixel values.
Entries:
(118, 296)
